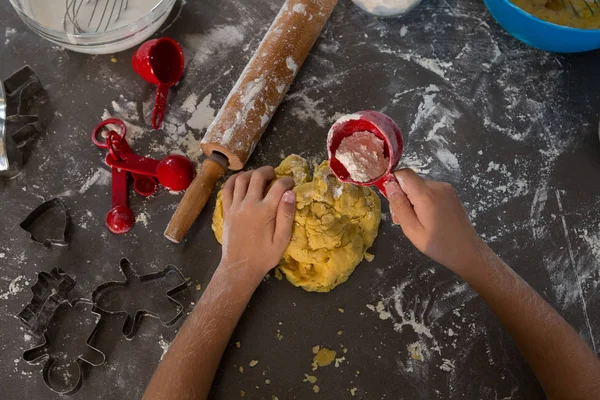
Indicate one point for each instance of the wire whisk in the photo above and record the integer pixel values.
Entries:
(92, 16)
(581, 8)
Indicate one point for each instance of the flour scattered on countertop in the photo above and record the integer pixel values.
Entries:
(592, 240)
(415, 351)
(448, 159)
(433, 65)
(308, 109)
(436, 66)
(164, 345)
(202, 113)
(17, 285)
(403, 319)
(190, 103)
(424, 306)
(100, 177)
(422, 166)
(142, 217)
(215, 42)
(9, 33)
(127, 111)
(173, 137)
(447, 366)
(386, 8)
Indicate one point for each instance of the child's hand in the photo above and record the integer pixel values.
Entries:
(257, 226)
(433, 218)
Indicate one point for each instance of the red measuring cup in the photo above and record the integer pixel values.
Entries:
(160, 62)
(381, 126)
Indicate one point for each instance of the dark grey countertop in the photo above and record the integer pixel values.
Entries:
(514, 129)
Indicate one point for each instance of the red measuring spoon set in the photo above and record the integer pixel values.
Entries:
(174, 172)
(159, 62)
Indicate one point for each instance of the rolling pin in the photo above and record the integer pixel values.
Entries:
(243, 118)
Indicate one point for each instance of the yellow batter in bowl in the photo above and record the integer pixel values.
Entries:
(557, 12)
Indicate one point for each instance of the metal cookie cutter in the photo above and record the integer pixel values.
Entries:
(89, 354)
(48, 224)
(132, 279)
(49, 292)
(17, 128)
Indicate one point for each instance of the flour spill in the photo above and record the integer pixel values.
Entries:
(213, 44)
(9, 33)
(17, 285)
(101, 177)
(164, 345)
(174, 136)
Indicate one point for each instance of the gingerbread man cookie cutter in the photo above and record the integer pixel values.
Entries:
(132, 322)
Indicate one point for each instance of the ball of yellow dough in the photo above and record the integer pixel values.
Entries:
(334, 225)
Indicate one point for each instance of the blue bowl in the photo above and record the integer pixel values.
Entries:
(541, 34)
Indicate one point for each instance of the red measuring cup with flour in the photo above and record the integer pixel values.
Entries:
(160, 62)
(364, 148)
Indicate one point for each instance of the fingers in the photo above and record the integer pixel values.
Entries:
(411, 184)
(258, 182)
(227, 194)
(241, 186)
(403, 213)
(284, 221)
(280, 186)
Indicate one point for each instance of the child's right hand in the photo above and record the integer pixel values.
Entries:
(433, 218)
(257, 225)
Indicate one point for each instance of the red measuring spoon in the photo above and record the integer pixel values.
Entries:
(120, 218)
(160, 62)
(379, 125)
(143, 185)
(174, 172)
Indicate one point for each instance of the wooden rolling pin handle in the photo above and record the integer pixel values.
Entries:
(196, 197)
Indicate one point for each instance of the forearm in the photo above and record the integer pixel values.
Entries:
(189, 366)
(565, 366)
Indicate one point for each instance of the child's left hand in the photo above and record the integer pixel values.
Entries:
(257, 226)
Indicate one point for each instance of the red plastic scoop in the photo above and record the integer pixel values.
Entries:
(382, 127)
(160, 62)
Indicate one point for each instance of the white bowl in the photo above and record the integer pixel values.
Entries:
(387, 8)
